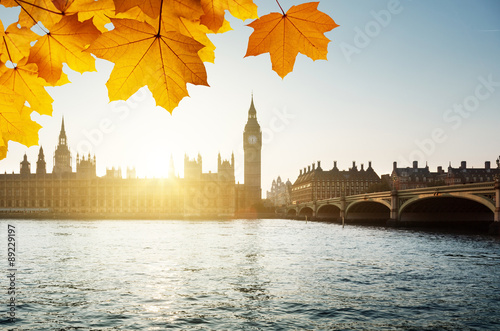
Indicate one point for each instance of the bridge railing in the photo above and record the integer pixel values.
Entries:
(472, 187)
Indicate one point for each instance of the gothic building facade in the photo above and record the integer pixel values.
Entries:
(83, 194)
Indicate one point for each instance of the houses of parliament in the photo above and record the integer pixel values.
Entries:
(65, 193)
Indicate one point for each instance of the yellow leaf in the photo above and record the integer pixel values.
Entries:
(24, 80)
(214, 11)
(243, 9)
(165, 62)
(199, 33)
(50, 12)
(17, 126)
(15, 42)
(34, 11)
(11, 100)
(65, 43)
(99, 11)
(148, 7)
(301, 29)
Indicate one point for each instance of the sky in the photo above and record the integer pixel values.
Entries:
(405, 80)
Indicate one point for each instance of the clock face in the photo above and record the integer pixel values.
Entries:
(252, 139)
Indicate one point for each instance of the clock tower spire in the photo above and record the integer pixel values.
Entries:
(252, 146)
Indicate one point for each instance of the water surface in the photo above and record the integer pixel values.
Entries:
(249, 274)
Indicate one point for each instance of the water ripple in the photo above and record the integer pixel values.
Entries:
(251, 275)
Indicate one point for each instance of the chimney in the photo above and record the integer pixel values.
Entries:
(314, 166)
(300, 172)
(487, 165)
(335, 164)
(362, 166)
(463, 165)
(394, 165)
(369, 164)
(440, 170)
(305, 171)
(319, 164)
(353, 164)
(308, 168)
(415, 164)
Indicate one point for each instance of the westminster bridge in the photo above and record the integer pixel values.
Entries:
(478, 202)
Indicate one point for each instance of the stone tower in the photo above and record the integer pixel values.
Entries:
(252, 146)
(40, 164)
(62, 156)
(25, 166)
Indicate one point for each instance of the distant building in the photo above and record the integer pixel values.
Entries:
(280, 194)
(314, 183)
(415, 177)
(83, 194)
(463, 175)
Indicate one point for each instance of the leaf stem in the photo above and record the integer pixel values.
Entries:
(280, 7)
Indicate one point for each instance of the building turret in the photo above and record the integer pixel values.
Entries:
(25, 166)
(86, 167)
(62, 155)
(225, 170)
(131, 173)
(192, 168)
(41, 164)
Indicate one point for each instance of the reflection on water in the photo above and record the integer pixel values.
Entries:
(250, 274)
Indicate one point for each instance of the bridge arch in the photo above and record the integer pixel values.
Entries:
(306, 211)
(291, 212)
(328, 211)
(447, 207)
(368, 210)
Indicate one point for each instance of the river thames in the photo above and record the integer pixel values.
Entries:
(247, 275)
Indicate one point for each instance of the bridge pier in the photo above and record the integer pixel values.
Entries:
(495, 226)
(394, 220)
(342, 208)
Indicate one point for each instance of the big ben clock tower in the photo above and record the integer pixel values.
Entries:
(252, 146)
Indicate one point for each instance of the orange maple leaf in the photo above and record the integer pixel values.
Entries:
(15, 42)
(190, 9)
(214, 11)
(172, 21)
(23, 80)
(17, 126)
(149, 7)
(65, 43)
(15, 122)
(34, 11)
(50, 12)
(165, 61)
(283, 36)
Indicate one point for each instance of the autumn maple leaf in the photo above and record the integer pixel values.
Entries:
(50, 12)
(164, 61)
(64, 44)
(17, 126)
(283, 36)
(15, 43)
(15, 121)
(214, 10)
(23, 80)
